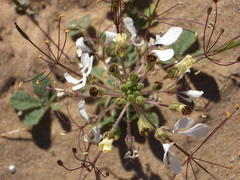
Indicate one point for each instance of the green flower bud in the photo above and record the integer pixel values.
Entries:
(114, 70)
(130, 98)
(151, 61)
(157, 86)
(163, 134)
(144, 127)
(129, 84)
(134, 77)
(179, 107)
(136, 93)
(120, 102)
(139, 99)
(124, 88)
(140, 86)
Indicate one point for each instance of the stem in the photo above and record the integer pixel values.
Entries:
(119, 118)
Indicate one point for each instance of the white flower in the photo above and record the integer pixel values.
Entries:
(191, 95)
(198, 131)
(83, 113)
(167, 39)
(128, 22)
(81, 47)
(60, 92)
(173, 160)
(86, 62)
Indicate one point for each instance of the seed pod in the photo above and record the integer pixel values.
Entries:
(115, 71)
(144, 127)
(93, 91)
(120, 102)
(157, 86)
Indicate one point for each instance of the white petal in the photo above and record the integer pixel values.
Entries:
(110, 36)
(193, 93)
(182, 123)
(81, 45)
(89, 66)
(128, 22)
(97, 135)
(83, 113)
(169, 37)
(198, 131)
(82, 84)
(133, 39)
(175, 163)
(71, 79)
(79, 53)
(166, 148)
(85, 59)
(164, 55)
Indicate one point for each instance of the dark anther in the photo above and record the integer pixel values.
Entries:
(151, 58)
(93, 91)
(187, 110)
(60, 163)
(74, 150)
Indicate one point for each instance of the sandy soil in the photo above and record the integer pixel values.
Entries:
(35, 153)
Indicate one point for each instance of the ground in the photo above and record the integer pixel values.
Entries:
(35, 153)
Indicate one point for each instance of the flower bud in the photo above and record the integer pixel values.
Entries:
(139, 99)
(163, 134)
(140, 86)
(121, 44)
(133, 77)
(93, 91)
(151, 61)
(120, 102)
(144, 128)
(130, 98)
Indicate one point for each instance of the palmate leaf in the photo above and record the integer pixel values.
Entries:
(33, 117)
(24, 101)
(184, 43)
(40, 84)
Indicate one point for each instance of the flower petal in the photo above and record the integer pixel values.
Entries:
(175, 163)
(166, 148)
(182, 123)
(133, 39)
(164, 55)
(89, 66)
(128, 22)
(198, 131)
(83, 113)
(82, 84)
(82, 46)
(71, 79)
(97, 134)
(85, 59)
(193, 93)
(169, 37)
(110, 36)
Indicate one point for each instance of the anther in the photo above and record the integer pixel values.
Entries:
(20, 84)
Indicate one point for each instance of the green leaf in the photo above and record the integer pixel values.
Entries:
(153, 117)
(97, 70)
(107, 120)
(24, 101)
(40, 84)
(229, 46)
(34, 117)
(84, 21)
(184, 43)
(149, 10)
(55, 106)
(74, 32)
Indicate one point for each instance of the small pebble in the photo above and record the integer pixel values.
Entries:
(12, 169)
